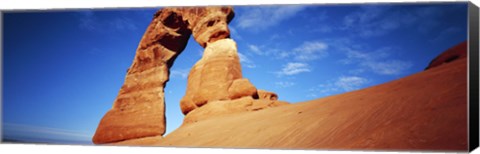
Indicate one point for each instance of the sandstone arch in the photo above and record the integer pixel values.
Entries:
(139, 109)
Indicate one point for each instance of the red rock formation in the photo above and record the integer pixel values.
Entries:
(217, 77)
(262, 94)
(401, 114)
(209, 25)
(240, 88)
(211, 77)
(216, 87)
(139, 109)
(457, 52)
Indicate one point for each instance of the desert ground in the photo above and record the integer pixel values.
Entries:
(424, 111)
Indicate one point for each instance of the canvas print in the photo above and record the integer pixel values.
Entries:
(325, 77)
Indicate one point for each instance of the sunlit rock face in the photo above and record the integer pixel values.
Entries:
(211, 77)
(215, 86)
(139, 109)
(209, 24)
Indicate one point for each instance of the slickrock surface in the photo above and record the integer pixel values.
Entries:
(221, 108)
(424, 111)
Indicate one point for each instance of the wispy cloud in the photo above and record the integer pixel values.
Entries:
(255, 49)
(378, 61)
(379, 20)
(261, 17)
(122, 23)
(234, 33)
(310, 51)
(348, 83)
(338, 85)
(390, 67)
(92, 22)
(38, 132)
(182, 73)
(372, 20)
(275, 37)
(444, 34)
(284, 84)
(87, 20)
(307, 51)
(245, 61)
(293, 68)
(318, 23)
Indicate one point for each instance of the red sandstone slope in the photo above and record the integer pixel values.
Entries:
(456, 52)
(424, 111)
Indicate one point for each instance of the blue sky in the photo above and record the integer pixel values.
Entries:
(63, 69)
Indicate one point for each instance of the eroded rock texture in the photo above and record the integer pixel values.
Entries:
(211, 77)
(216, 87)
(139, 109)
(209, 24)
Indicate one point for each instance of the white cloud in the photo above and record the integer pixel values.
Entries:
(362, 56)
(337, 85)
(379, 20)
(348, 83)
(390, 67)
(245, 61)
(261, 17)
(182, 73)
(91, 22)
(122, 23)
(307, 51)
(310, 51)
(372, 20)
(377, 61)
(282, 54)
(284, 84)
(293, 68)
(255, 49)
